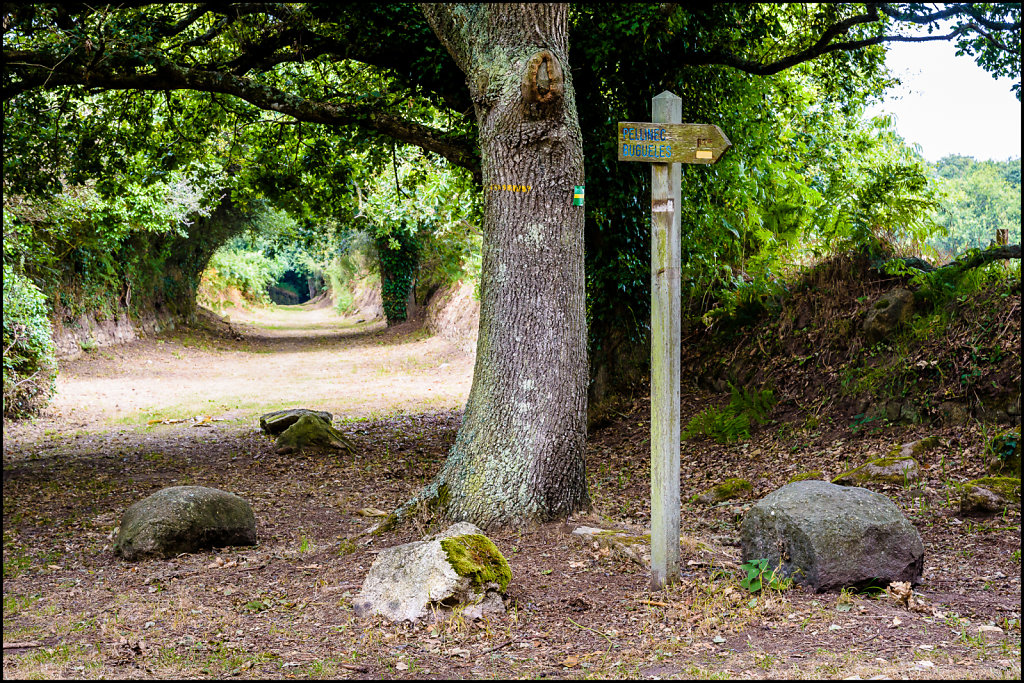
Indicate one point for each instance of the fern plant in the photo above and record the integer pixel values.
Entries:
(734, 421)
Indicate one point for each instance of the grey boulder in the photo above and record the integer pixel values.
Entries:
(184, 519)
(827, 536)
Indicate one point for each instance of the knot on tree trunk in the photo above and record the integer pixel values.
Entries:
(543, 82)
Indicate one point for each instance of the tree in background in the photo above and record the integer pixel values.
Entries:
(980, 198)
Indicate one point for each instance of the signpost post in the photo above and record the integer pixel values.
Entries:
(665, 144)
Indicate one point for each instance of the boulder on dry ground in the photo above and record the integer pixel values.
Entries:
(184, 519)
(828, 536)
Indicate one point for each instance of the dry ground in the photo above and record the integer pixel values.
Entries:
(122, 427)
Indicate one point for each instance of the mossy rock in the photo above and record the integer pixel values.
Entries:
(889, 312)
(990, 495)
(727, 490)
(475, 557)
(1005, 450)
(311, 430)
(276, 422)
(804, 476)
(888, 470)
(916, 449)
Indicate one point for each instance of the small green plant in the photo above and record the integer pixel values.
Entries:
(760, 576)
(733, 422)
(303, 543)
(256, 606)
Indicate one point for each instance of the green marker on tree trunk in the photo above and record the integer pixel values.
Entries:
(577, 196)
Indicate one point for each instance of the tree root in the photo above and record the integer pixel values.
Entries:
(425, 507)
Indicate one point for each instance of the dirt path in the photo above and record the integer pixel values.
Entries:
(122, 428)
(288, 356)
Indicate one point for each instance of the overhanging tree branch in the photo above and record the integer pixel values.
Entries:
(973, 259)
(825, 45)
(38, 69)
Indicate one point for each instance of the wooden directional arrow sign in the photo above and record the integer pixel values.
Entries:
(666, 144)
(670, 143)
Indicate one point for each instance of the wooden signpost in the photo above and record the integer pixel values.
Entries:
(665, 144)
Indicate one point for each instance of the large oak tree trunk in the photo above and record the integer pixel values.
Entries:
(519, 454)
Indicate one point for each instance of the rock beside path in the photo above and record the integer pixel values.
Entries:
(828, 536)
(276, 422)
(622, 544)
(459, 567)
(184, 519)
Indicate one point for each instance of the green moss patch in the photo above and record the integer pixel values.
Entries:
(804, 476)
(1007, 487)
(727, 490)
(477, 558)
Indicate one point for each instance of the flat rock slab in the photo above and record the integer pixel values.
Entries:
(828, 536)
(408, 582)
(276, 422)
(184, 519)
(627, 546)
(899, 470)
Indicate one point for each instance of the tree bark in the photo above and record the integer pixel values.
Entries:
(518, 456)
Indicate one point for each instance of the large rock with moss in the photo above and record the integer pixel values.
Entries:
(184, 519)
(897, 469)
(459, 567)
(828, 537)
(990, 495)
